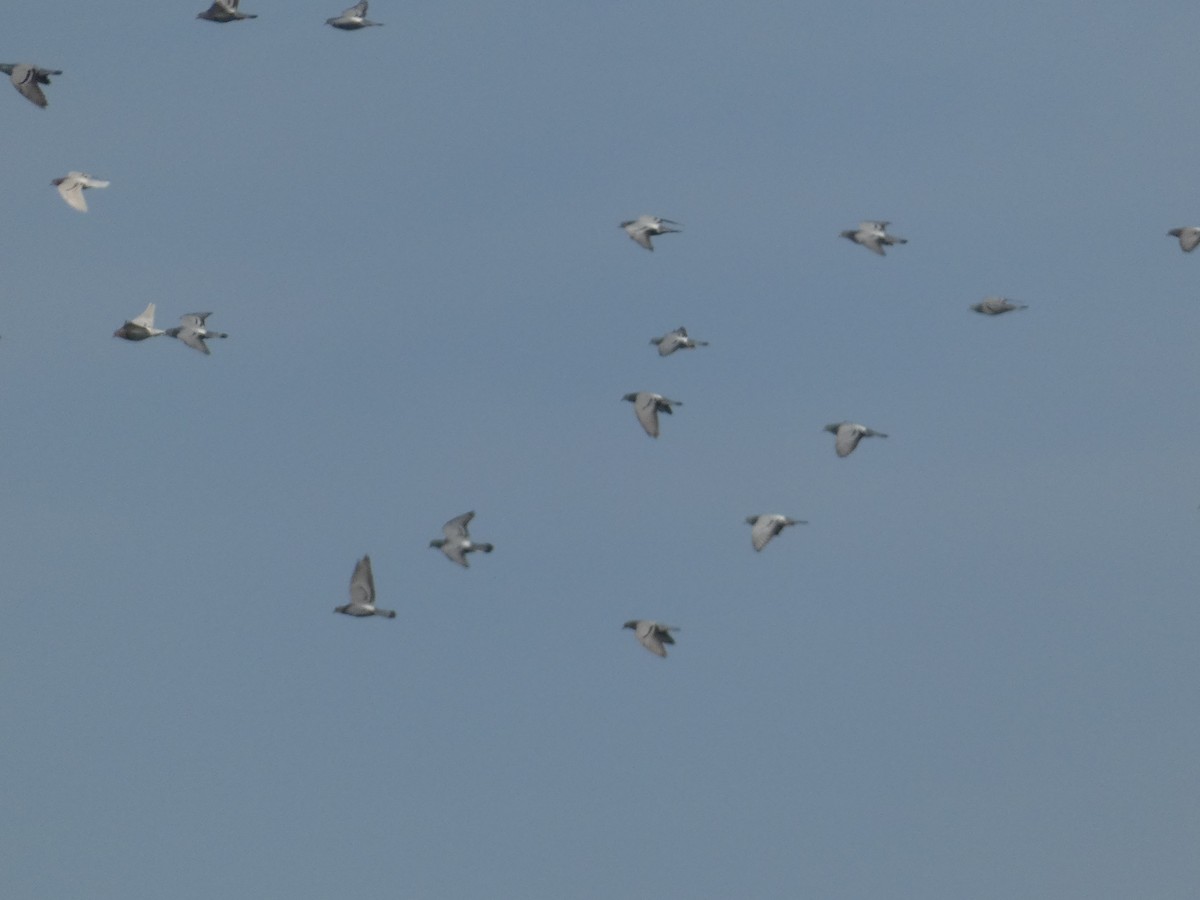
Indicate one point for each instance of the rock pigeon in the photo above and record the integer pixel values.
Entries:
(643, 227)
(873, 235)
(224, 11)
(994, 306)
(849, 434)
(648, 406)
(140, 328)
(457, 543)
(194, 333)
(676, 340)
(72, 185)
(653, 636)
(26, 78)
(352, 19)
(766, 527)
(362, 593)
(1189, 237)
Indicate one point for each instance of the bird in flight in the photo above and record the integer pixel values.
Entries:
(362, 594)
(194, 332)
(873, 236)
(643, 228)
(26, 78)
(848, 435)
(766, 527)
(676, 340)
(139, 328)
(647, 406)
(353, 18)
(653, 635)
(72, 185)
(457, 542)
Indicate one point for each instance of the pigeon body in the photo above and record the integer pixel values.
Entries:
(994, 306)
(26, 78)
(72, 185)
(194, 332)
(224, 11)
(353, 18)
(653, 635)
(766, 527)
(873, 236)
(1189, 237)
(848, 435)
(140, 328)
(648, 405)
(457, 542)
(676, 340)
(643, 228)
(362, 594)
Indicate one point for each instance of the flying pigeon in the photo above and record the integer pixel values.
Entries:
(1189, 237)
(849, 434)
(457, 543)
(648, 406)
(140, 328)
(676, 340)
(26, 78)
(224, 11)
(873, 235)
(994, 306)
(766, 527)
(653, 636)
(362, 593)
(352, 19)
(194, 333)
(72, 185)
(641, 229)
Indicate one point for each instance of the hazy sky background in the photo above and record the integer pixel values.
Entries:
(972, 675)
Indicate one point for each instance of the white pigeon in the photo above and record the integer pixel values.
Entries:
(648, 405)
(1189, 237)
(994, 306)
(139, 328)
(676, 340)
(72, 185)
(766, 527)
(353, 18)
(362, 594)
(224, 11)
(194, 332)
(849, 434)
(652, 635)
(26, 78)
(643, 227)
(457, 542)
(873, 236)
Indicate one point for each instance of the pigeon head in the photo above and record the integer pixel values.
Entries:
(632, 398)
(438, 542)
(632, 623)
(849, 235)
(832, 429)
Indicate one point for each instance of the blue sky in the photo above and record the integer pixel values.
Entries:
(971, 675)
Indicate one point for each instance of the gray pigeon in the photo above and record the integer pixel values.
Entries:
(224, 11)
(994, 306)
(1189, 237)
(676, 340)
(353, 18)
(26, 78)
(362, 594)
(643, 227)
(194, 332)
(140, 328)
(72, 185)
(653, 636)
(766, 527)
(873, 236)
(647, 406)
(849, 434)
(457, 542)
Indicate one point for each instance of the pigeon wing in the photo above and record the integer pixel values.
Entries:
(24, 79)
(647, 413)
(146, 319)
(847, 439)
(71, 190)
(362, 584)
(456, 528)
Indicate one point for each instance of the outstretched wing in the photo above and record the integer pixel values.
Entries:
(456, 528)
(362, 583)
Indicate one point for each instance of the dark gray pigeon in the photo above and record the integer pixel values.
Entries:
(353, 18)
(224, 11)
(766, 527)
(362, 594)
(848, 435)
(676, 340)
(994, 306)
(643, 227)
(194, 332)
(873, 236)
(1189, 237)
(457, 542)
(26, 78)
(653, 636)
(648, 405)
